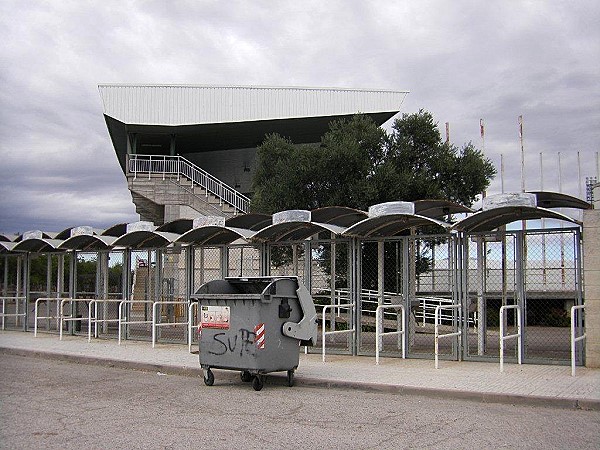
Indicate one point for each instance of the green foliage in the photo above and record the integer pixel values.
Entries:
(357, 164)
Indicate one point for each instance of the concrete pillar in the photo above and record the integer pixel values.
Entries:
(591, 276)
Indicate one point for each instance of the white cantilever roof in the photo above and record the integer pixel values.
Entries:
(173, 105)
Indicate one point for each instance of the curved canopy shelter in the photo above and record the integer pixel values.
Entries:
(144, 235)
(87, 242)
(438, 209)
(116, 230)
(251, 221)
(37, 234)
(178, 226)
(502, 209)
(5, 237)
(6, 246)
(294, 225)
(84, 238)
(338, 215)
(212, 231)
(390, 219)
(557, 200)
(72, 231)
(36, 242)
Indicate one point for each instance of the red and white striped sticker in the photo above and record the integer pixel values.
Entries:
(259, 331)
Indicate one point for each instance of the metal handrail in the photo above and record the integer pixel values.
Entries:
(379, 334)
(503, 338)
(63, 318)
(177, 165)
(95, 319)
(154, 322)
(192, 312)
(130, 322)
(38, 317)
(327, 333)
(574, 339)
(437, 330)
(17, 314)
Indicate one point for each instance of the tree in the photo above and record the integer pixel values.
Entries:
(336, 172)
(357, 164)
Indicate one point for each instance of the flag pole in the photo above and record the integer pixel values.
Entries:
(482, 133)
(524, 222)
(502, 172)
(522, 154)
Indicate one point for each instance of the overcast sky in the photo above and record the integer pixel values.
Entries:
(461, 60)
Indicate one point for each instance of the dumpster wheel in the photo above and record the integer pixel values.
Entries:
(209, 378)
(290, 378)
(257, 383)
(246, 376)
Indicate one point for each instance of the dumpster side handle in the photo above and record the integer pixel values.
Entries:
(305, 330)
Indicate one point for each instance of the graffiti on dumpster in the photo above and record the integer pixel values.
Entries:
(242, 342)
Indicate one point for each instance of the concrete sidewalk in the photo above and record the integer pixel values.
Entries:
(526, 384)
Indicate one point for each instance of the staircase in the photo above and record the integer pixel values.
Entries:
(164, 188)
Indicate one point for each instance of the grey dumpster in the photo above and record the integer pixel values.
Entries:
(254, 325)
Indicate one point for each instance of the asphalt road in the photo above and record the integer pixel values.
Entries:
(50, 404)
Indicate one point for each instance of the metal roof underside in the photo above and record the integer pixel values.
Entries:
(251, 221)
(145, 239)
(37, 245)
(178, 226)
(294, 231)
(390, 225)
(494, 218)
(556, 200)
(338, 215)
(87, 242)
(214, 235)
(438, 209)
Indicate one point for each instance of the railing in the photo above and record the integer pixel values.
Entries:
(373, 297)
(93, 318)
(130, 322)
(37, 317)
(379, 334)
(437, 330)
(155, 323)
(16, 314)
(574, 339)
(328, 333)
(179, 166)
(64, 318)
(192, 312)
(503, 338)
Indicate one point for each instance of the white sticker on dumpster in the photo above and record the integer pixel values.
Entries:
(215, 317)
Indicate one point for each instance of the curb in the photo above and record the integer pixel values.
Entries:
(480, 397)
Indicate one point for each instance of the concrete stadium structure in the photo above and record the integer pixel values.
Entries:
(195, 146)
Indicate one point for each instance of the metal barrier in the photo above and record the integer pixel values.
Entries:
(63, 318)
(379, 334)
(437, 330)
(130, 322)
(94, 318)
(574, 339)
(38, 317)
(192, 312)
(503, 338)
(16, 314)
(327, 333)
(155, 324)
